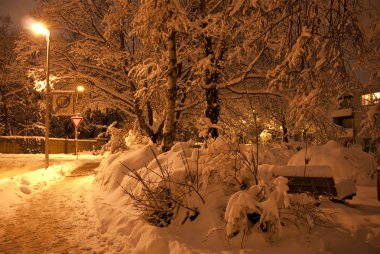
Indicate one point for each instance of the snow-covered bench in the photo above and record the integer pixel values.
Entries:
(317, 180)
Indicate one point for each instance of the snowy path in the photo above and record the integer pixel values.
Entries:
(59, 219)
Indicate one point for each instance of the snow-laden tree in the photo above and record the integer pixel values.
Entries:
(93, 45)
(270, 112)
(149, 58)
(19, 103)
(311, 47)
(161, 26)
(304, 51)
(85, 51)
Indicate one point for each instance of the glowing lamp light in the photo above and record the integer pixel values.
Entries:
(39, 28)
(80, 89)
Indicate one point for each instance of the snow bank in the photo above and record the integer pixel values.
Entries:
(220, 177)
(112, 169)
(115, 209)
(215, 169)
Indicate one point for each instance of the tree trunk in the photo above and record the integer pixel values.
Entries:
(210, 77)
(213, 109)
(285, 138)
(154, 136)
(168, 131)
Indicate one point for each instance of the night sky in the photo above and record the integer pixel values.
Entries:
(19, 8)
(16, 9)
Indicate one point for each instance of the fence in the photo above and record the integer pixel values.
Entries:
(20, 144)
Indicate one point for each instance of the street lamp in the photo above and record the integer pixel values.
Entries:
(80, 89)
(40, 29)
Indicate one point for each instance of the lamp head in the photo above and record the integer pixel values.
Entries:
(80, 89)
(40, 29)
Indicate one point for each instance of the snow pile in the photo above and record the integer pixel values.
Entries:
(197, 200)
(346, 163)
(194, 187)
(16, 189)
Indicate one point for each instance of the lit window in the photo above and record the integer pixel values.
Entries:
(370, 98)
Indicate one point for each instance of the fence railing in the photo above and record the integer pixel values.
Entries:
(31, 144)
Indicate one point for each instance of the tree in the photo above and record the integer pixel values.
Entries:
(313, 44)
(304, 51)
(87, 49)
(159, 23)
(93, 43)
(132, 53)
(19, 104)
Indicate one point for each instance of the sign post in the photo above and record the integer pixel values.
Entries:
(76, 120)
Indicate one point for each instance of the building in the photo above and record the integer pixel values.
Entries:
(351, 111)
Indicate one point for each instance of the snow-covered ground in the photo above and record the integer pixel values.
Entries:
(44, 211)
(24, 174)
(58, 219)
(16, 164)
(52, 211)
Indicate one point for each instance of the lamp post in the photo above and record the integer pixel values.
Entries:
(254, 113)
(40, 29)
(80, 89)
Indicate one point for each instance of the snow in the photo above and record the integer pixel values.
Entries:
(311, 171)
(23, 175)
(93, 214)
(15, 164)
(207, 233)
(345, 162)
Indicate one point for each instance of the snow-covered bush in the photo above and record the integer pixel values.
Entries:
(258, 204)
(305, 212)
(210, 191)
(116, 142)
(173, 186)
(134, 140)
(166, 187)
(224, 160)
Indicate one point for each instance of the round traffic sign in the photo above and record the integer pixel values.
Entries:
(62, 101)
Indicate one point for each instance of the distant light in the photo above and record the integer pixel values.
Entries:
(80, 88)
(39, 28)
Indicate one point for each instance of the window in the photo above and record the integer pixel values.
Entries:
(370, 98)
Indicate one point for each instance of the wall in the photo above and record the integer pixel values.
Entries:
(19, 144)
